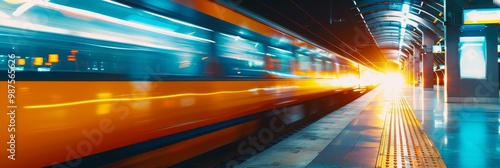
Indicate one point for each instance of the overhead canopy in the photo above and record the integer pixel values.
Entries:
(399, 26)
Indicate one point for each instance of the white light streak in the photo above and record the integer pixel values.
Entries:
(178, 21)
(116, 3)
(120, 22)
(24, 7)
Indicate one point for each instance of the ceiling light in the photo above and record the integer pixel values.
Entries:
(406, 8)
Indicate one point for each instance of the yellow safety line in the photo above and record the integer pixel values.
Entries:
(403, 142)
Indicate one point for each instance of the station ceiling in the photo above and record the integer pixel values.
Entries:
(374, 32)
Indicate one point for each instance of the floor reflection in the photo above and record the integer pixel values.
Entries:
(466, 134)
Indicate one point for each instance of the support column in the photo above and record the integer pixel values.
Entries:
(428, 70)
(460, 88)
(411, 67)
(406, 72)
(409, 73)
(416, 63)
(427, 61)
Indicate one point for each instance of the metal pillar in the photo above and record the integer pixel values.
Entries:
(416, 63)
(427, 61)
(428, 70)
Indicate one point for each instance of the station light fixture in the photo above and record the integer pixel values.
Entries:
(53, 57)
(405, 8)
(21, 61)
(38, 61)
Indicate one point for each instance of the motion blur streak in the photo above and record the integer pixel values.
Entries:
(23, 8)
(49, 29)
(94, 15)
(3, 15)
(178, 21)
(145, 98)
(102, 83)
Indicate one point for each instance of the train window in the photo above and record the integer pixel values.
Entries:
(304, 63)
(281, 43)
(328, 66)
(337, 70)
(240, 57)
(111, 40)
(318, 65)
(282, 60)
(342, 70)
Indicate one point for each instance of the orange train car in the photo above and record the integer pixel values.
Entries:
(148, 83)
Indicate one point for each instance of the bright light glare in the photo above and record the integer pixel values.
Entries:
(370, 78)
(394, 80)
(347, 81)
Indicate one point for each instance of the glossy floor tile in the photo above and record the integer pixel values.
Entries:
(466, 134)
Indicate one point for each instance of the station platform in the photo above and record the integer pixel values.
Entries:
(393, 126)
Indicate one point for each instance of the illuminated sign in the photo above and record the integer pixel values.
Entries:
(482, 16)
(472, 57)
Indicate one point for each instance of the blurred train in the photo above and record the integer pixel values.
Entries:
(141, 83)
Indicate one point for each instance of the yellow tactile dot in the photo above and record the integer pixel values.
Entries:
(404, 137)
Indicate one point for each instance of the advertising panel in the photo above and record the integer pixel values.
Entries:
(472, 57)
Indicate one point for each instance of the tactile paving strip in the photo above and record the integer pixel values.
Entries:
(404, 143)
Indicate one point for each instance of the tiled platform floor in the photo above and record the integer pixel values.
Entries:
(466, 135)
